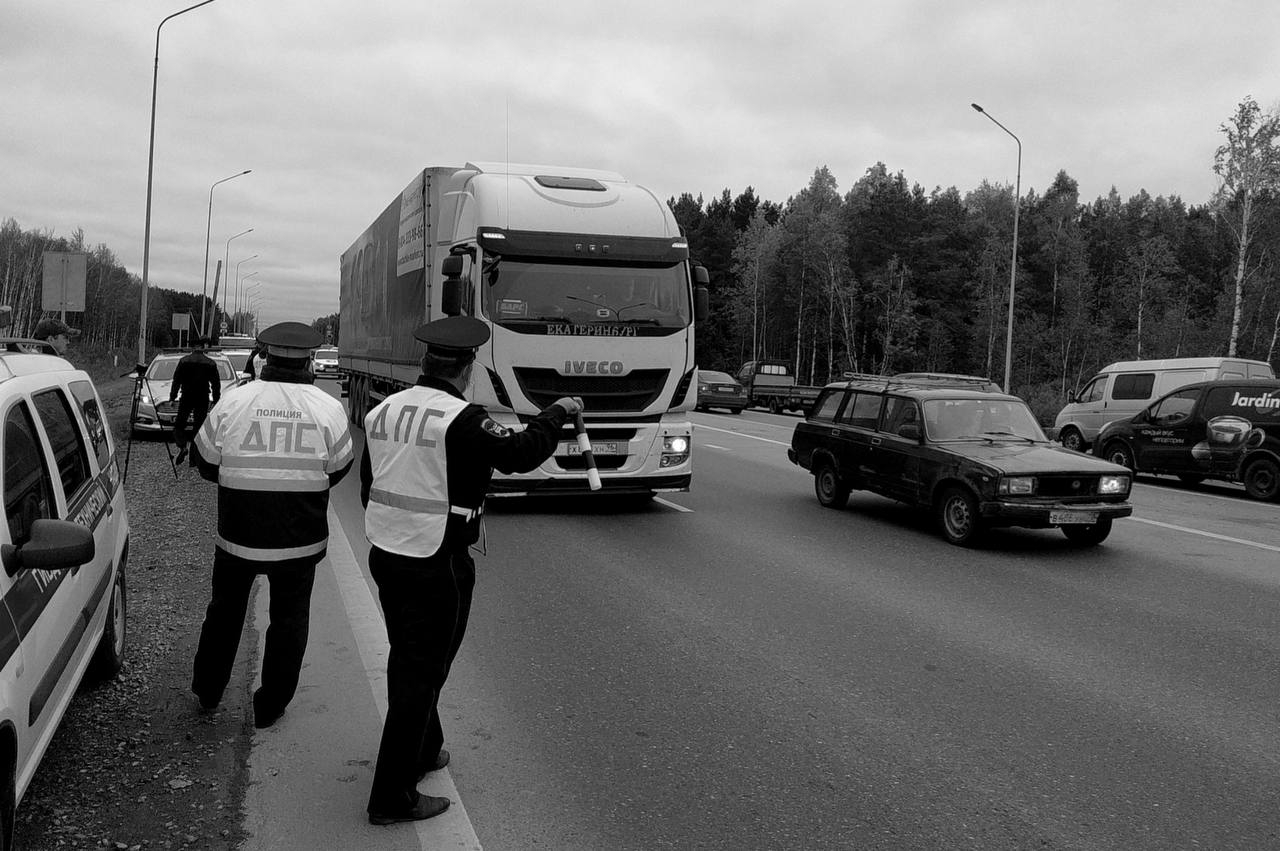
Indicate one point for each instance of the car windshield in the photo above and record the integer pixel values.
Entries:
(980, 419)
(326, 354)
(526, 295)
(238, 359)
(709, 376)
(162, 369)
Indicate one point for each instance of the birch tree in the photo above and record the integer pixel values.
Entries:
(1249, 167)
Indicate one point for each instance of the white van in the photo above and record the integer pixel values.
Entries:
(1122, 389)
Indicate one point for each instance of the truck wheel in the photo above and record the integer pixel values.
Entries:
(108, 658)
(959, 519)
(1072, 439)
(831, 492)
(1262, 479)
(1118, 453)
(775, 407)
(1090, 534)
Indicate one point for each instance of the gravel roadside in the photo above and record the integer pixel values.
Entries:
(136, 764)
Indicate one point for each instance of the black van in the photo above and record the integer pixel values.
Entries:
(1227, 429)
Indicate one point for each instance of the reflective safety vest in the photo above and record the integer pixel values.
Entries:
(409, 499)
(275, 444)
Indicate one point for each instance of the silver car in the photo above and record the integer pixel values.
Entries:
(155, 412)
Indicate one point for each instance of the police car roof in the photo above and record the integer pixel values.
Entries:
(14, 363)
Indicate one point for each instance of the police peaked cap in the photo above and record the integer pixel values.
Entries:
(47, 328)
(454, 336)
(290, 340)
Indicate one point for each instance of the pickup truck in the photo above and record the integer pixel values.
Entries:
(771, 384)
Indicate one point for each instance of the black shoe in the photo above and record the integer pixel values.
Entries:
(264, 716)
(442, 759)
(208, 704)
(427, 807)
(182, 456)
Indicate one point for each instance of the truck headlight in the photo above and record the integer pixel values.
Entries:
(1022, 485)
(675, 450)
(1112, 485)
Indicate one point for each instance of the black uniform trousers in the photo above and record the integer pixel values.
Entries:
(425, 603)
(196, 410)
(290, 613)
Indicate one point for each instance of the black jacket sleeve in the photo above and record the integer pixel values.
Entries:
(507, 450)
(215, 383)
(366, 476)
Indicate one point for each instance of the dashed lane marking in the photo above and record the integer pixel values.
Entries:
(670, 504)
(717, 446)
(452, 829)
(1214, 535)
(740, 434)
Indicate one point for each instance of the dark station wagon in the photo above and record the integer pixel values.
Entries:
(975, 459)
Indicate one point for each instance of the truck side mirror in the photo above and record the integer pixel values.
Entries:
(701, 297)
(451, 295)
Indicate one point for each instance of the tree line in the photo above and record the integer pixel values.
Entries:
(887, 277)
(113, 295)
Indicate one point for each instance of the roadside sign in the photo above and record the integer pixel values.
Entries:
(64, 281)
(180, 321)
(223, 328)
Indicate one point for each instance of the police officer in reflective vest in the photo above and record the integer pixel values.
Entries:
(274, 446)
(428, 458)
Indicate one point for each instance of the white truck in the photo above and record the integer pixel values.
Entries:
(585, 283)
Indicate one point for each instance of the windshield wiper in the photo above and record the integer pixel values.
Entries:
(617, 312)
(1008, 434)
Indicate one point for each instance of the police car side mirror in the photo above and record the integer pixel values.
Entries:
(53, 545)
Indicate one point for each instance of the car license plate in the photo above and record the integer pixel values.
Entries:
(725, 388)
(598, 447)
(1064, 518)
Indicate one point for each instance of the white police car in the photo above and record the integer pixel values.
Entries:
(64, 546)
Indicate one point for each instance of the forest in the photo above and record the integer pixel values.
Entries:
(890, 277)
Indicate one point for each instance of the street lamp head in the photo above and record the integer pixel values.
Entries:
(975, 106)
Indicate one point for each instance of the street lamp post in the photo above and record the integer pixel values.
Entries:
(1013, 264)
(151, 158)
(225, 258)
(250, 275)
(247, 289)
(204, 291)
(254, 303)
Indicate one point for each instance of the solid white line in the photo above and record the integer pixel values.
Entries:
(717, 446)
(1213, 535)
(740, 434)
(451, 829)
(670, 504)
(1157, 487)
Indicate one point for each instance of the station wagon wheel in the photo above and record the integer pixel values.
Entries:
(1262, 479)
(1118, 453)
(108, 658)
(831, 492)
(958, 517)
(1072, 439)
(1088, 534)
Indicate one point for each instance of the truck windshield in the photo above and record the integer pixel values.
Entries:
(532, 295)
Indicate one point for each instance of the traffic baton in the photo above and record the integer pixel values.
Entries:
(588, 457)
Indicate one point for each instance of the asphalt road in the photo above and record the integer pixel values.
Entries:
(739, 668)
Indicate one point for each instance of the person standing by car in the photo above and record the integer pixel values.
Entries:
(56, 333)
(196, 379)
(275, 447)
(428, 458)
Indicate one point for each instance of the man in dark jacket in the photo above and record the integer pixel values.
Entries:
(196, 378)
(427, 461)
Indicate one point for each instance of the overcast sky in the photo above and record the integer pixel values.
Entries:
(334, 106)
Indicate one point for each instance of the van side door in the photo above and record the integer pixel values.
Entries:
(1166, 440)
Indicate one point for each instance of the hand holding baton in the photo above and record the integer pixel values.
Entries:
(588, 457)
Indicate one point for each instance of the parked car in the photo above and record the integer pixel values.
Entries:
(1227, 430)
(154, 412)
(975, 459)
(720, 390)
(1122, 389)
(240, 362)
(64, 547)
(324, 362)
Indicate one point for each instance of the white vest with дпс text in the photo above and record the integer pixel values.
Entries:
(409, 500)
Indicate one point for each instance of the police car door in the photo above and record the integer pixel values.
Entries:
(40, 602)
(81, 499)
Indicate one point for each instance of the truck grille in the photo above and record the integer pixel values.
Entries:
(633, 392)
(1066, 485)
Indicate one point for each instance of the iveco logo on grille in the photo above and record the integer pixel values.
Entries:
(593, 367)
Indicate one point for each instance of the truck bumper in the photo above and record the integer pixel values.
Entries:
(636, 485)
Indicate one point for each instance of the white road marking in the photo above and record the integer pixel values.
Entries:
(740, 434)
(1213, 535)
(717, 446)
(1235, 499)
(670, 504)
(451, 829)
